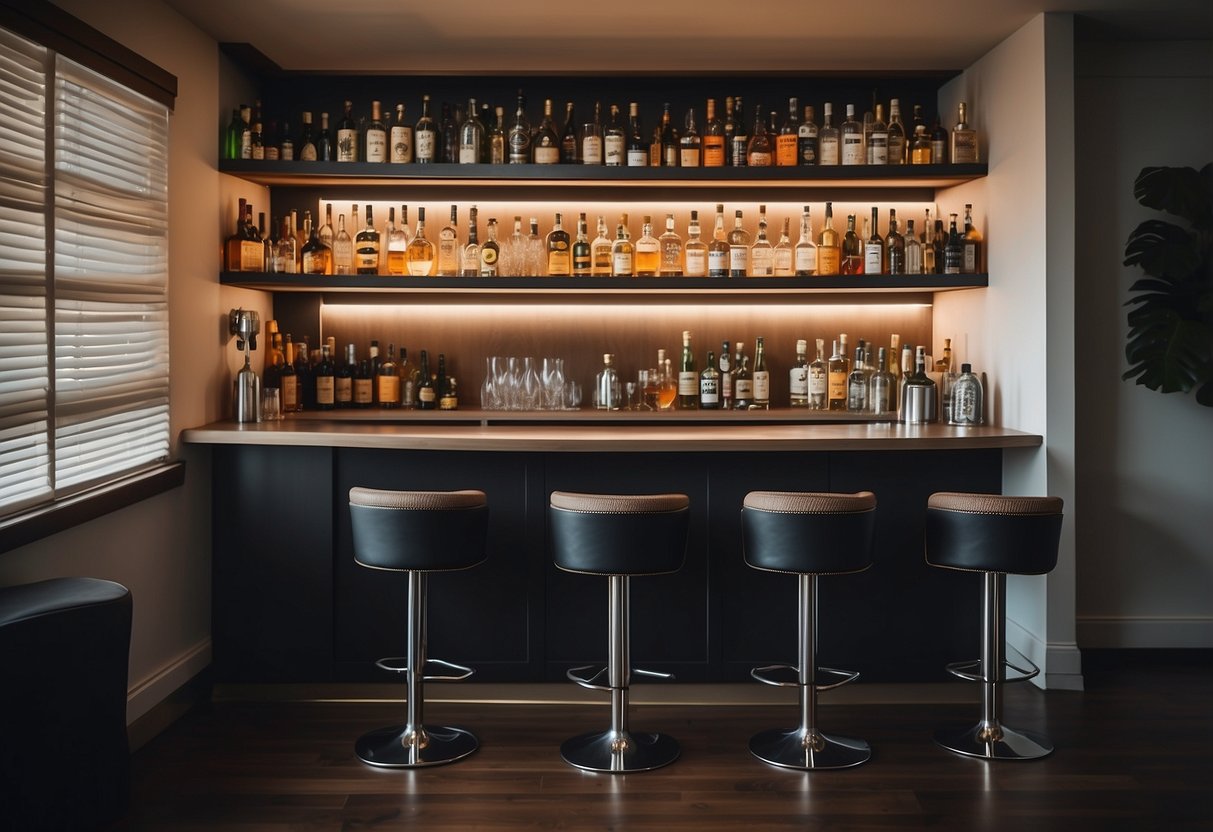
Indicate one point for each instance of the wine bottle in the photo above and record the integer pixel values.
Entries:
(427, 396)
(688, 378)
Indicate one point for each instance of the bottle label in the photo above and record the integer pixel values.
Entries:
(837, 386)
(696, 262)
(308, 153)
(762, 386)
(581, 259)
(689, 157)
(470, 262)
(806, 259)
(709, 392)
(376, 145)
(343, 390)
(783, 261)
(872, 258)
(852, 149)
(878, 148)
(614, 150)
(817, 384)
(738, 259)
(638, 158)
(547, 155)
(368, 260)
(591, 150)
(798, 381)
(713, 151)
(469, 154)
(718, 263)
(621, 263)
(313, 262)
(362, 391)
(970, 259)
(739, 148)
(726, 384)
(488, 261)
(389, 389)
(425, 394)
(402, 145)
(347, 146)
(762, 262)
(558, 261)
(785, 149)
(252, 256)
(258, 152)
(743, 388)
(964, 147)
(759, 160)
(808, 150)
(829, 151)
(326, 388)
(290, 392)
(688, 382)
(425, 145)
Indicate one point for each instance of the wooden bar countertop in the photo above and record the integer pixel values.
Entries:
(475, 430)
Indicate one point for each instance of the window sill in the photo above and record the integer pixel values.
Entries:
(45, 520)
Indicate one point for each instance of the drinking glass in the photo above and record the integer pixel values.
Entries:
(487, 388)
(532, 386)
(271, 404)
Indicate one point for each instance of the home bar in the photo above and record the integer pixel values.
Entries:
(699, 433)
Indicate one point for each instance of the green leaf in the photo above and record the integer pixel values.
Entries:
(1162, 249)
(1167, 352)
(1183, 192)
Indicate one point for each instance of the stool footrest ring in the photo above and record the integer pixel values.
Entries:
(585, 678)
(399, 664)
(962, 671)
(787, 676)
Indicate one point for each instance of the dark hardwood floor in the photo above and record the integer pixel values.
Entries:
(1134, 751)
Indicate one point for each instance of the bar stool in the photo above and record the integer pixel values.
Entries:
(809, 534)
(618, 536)
(995, 535)
(418, 532)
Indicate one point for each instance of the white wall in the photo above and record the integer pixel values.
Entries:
(1019, 330)
(1145, 460)
(160, 548)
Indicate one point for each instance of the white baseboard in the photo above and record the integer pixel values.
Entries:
(1158, 632)
(1060, 662)
(158, 685)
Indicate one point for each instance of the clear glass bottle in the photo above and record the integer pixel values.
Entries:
(718, 249)
(851, 139)
(688, 377)
(761, 378)
(397, 242)
(623, 260)
(798, 377)
(470, 255)
(497, 139)
(600, 251)
(614, 140)
(520, 135)
(400, 139)
(591, 139)
(882, 387)
(709, 384)
(783, 252)
(964, 139)
(913, 250)
(971, 263)
(873, 249)
(739, 248)
(805, 254)
(375, 136)
(647, 251)
(829, 141)
(818, 378)
(743, 382)
(536, 251)
(326, 231)
(490, 252)
(760, 150)
(895, 247)
(448, 246)
(857, 385)
(513, 252)
(557, 245)
(897, 134)
(471, 136)
(606, 385)
(876, 139)
(420, 251)
(545, 147)
(762, 253)
(836, 381)
(690, 145)
(671, 250)
(967, 398)
(695, 258)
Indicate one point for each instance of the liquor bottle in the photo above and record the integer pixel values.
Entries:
(614, 140)
(274, 358)
(670, 245)
(425, 135)
(670, 147)
(420, 251)
(582, 258)
(240, 252)
(622, 250)
(545, 148)
(256, 143)
(913, 251)
(857, 385)
(972, 244)
(940, 245)
(375, 136)
(688, 378)
(718, 249)
(895, 247)
(920, 147)
(324, 377)
(364, 382)
(739, 248)
(953, 253)
(897, 134)
(667, 393)
(400, 138)
(347, 136)
(761, 378)
(448, 135)
(762, 254)
(798, 377)
(690, 146)
(366, 247)
(743, 382)
(471, 136)
(387, 380)
(647, 251)
(606, 385)
(928, 246)
(964, 139)
(303, 373)
(427, 395)
(967, 395)
(592, 139)
(852, 249)
(408, 381)
(939, 143)
(470, 255)
(713, 138)
(520, 134)
(559, 261)
(302, 233)
(805, 255)
(726, 377)
(836, 381)
(638, 146)
(851, 139)
(787, 143)
(877, 139)
(873, 250)
(490, 252)
(709, 384)
(828, 140)
(324, 141)
(536, 252)
(448, 389)
(317, 257)
(882, 387)
(305, 148)
(740, 140)
(907, 370)
(448, 246)
(600, 251)
(818, 379)
(783, 252)
(285, 256)
(496, 139)
(759, 151)
(326, 231)
(288, 380)
(918, 120)
(245, 133)
(806, 138)
(943, 364)
(569, 150)
(829, 251)
(397, 243)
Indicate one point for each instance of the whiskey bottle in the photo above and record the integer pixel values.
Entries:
(762, 254)
(375, 136)
(709, 384)
(520, 134)
(740, 139)
(471, 136)
(806, 138)
(490, 252)
(670, 245)
(622, 250)
(787, 143)
(559, 261)
(739, 248)
(713, 138)
(614, 140)
(972, 244)
(939, 143)
(568, 137)
(759, 151)
(496, 140)
(592, 139)
(897, 134)
(364, 384)
(545, 148)
(470, 255)
(836, 381)
(324, 141)
(828, 139)
(397, 244)
(805, 256)
(420, 251)
(366, 247)
(256, 143)
(317, 257)
(718, 249)
(669, 140)
(688, 378)
(829, 251)
(873, 250)
(928, 245)
(940, 246)
(347, 136)
(582, 259)
(690, 146)
(425, 135)
(852, 249)
(600, 251)
(743, 382)
(895, 247)
(408, 381)
(920, 147)
(761, 378)
(851, 139)
(798, 377)
(288, 380)
(427, 395)
(448, 246)
(913, 250)
(400, 139)
(695, 253)
(387, 381)
(877, 139)
(305, 148)
(953, 253)
(647, 251)
(638, 146)
(783, 252)
(964, 139)
(818, 379)
(726, 377)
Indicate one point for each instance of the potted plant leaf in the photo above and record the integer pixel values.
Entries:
(1170, 341)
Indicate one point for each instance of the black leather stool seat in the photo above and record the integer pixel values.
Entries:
(808, 532)
(618, 534)
(426, 531)
(993, 533)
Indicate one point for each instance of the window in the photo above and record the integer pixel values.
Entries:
(83, 277)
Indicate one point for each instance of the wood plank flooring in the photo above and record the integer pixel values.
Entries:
(1134, 751)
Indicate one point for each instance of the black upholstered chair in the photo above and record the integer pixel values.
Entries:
(997, 536)
(618, 536)
(64, 653)
(418, 532)
(807, 534)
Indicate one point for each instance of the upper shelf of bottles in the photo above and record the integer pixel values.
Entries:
(818, 176)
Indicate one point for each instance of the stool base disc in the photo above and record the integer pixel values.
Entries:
(596, 751)
(787, 749)
(385, 748)
(1014, 745)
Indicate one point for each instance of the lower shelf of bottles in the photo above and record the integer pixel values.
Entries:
(834, 284)
(584, 415)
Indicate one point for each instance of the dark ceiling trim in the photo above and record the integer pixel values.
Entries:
(71, 37)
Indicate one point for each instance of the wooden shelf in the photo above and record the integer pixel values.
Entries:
(585, 415)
